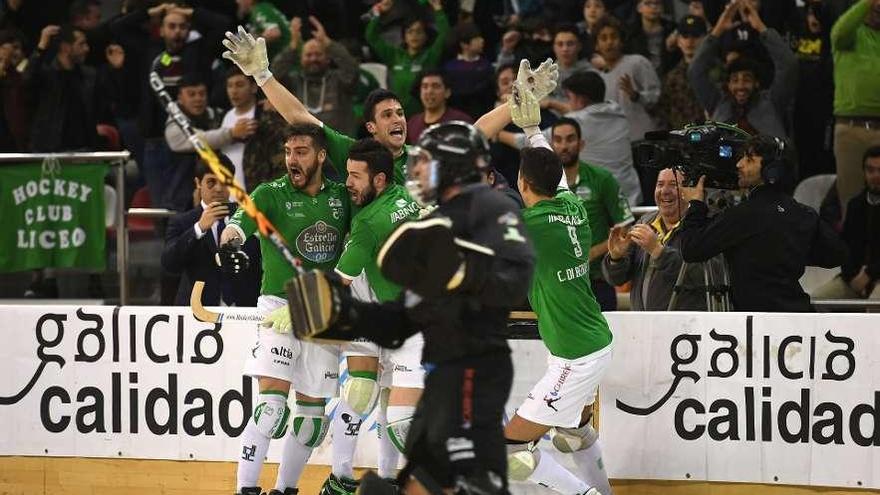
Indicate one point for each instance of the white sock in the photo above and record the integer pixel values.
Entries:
(345, 427)
(553, 475)
(388, 453)
(255, 444)
(592, 469)
(295, 455)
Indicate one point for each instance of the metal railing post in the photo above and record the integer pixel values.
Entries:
(121, 235)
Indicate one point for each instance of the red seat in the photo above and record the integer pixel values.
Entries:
(141, 227)
(111, 135)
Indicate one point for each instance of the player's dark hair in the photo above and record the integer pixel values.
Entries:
(872, 152)
(374, 98)
(377, 157)
(67, 33)
(565, 27)
(202, 168)
(191, 79)
(233, 71)
(11, 36)
(743, 64)
(80, 8)
(607, 21)
(569, 121)
(319, 140)
(433, 73)
(541, 170)
(588, 84)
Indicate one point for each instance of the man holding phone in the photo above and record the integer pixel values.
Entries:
(191, 245)
(648, 254)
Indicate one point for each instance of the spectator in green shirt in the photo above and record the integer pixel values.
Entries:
(600, 195)
(264, 19)
(407, 62)
(855, 46)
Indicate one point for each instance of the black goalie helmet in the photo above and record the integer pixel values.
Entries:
(447, 154)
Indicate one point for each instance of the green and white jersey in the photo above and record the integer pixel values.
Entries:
(263, 16)
(338, 145)
(569, 318)
(606, 206)
(370, 227)
(314, 227)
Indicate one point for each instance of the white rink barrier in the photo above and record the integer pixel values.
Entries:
(765, 398)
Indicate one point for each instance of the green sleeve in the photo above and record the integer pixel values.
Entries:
(435, 51)
(358, 251)
(843, 34)
(338, 145)
(615, 203)
(244, 221)
(384, 51)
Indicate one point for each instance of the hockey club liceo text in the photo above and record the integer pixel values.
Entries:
(756, 414)
(126, 372)
(37, 216)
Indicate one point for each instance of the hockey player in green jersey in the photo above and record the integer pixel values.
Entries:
(313, 214)
(570, 323)
(384, 206)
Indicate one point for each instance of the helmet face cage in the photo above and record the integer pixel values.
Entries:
(449, 153)
(422, 176)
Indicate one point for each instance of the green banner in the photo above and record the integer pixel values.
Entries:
(52, 219)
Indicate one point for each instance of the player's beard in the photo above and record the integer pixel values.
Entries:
(307, 173)
(364, 197)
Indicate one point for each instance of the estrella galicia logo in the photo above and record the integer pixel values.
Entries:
(319, 243)
(754, 415)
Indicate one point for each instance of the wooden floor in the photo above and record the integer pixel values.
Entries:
(79, 476)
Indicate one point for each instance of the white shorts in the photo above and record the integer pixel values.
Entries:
(312, 369)
(403, 367)
(566, 388)
(359, 347)
(360, 291)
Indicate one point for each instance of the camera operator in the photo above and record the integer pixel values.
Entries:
(767, 239)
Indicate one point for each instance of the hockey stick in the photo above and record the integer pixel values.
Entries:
(228, 314)
(264, 226)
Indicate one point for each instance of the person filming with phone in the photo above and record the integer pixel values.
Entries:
(767, 239)
(191, 242)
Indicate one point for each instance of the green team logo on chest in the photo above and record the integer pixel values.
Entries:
(319, 243)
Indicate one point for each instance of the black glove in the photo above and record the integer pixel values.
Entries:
(421, 256)
(426, 258)
(231, 259)
(320, 306)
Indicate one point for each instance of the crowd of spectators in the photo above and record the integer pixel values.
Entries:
(74, 76)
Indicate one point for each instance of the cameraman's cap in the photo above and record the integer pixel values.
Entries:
(691, 26)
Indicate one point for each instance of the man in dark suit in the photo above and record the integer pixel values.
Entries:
(191, 243)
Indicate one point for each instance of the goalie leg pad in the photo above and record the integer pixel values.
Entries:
(522, 460)
(271, 414)
(361, 393)
(573, 439)
(309, 424)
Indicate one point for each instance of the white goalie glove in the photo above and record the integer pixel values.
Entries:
(541, 81)
(248, 54)
(525, 108)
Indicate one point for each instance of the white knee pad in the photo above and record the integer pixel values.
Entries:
(573, 439)
(522, 460)
(309, 426)
(360, 393)
(397, 432)
(271, 415)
